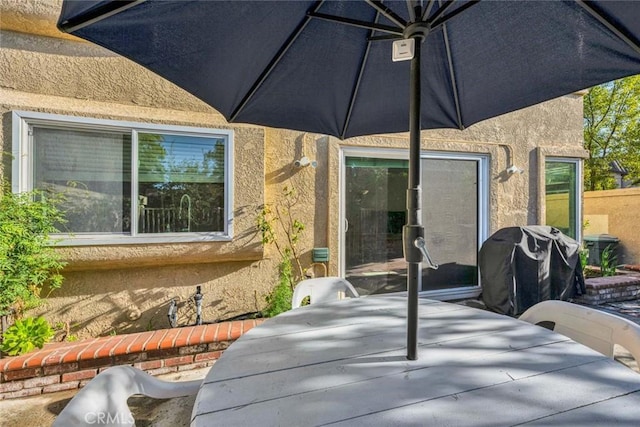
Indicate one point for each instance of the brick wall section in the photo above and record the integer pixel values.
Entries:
(66, 366)
(601, 290)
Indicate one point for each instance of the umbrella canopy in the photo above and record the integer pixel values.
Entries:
(326, 66)
(279, 64)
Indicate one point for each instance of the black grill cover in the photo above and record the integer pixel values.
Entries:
(521, 266)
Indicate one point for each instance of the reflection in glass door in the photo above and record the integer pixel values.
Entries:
(375, 211)
(450, 218)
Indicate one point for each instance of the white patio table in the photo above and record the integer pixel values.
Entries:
(344, 364)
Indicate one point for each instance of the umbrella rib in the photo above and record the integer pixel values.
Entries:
(356, 23)
(356, 88)
(454, 86)
(439, 20)
(438, 13)
(618, 32)
(274, 62)
(387, 12)
(410, 7)
(427, 10)
(96, 14)
(352, 101)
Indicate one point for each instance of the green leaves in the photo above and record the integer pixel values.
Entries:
(612, 131)
(275, 221)
(608, 262)
(27, 260)
(265, 223)
(25, 335)
(279, 300)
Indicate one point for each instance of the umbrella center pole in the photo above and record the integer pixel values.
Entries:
(413, 230)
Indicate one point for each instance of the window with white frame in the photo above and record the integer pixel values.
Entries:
(127, 181)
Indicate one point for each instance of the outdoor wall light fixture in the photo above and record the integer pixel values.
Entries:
(513, 169)
(304, 162)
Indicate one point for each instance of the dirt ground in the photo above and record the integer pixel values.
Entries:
(40, 411)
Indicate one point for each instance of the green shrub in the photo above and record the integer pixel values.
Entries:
(278, 220)
(584, 257)
(27, 260)
(608, 262)
(25, 335)
(279, 300)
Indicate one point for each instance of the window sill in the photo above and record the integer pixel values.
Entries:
(114, 256)
(164, 238)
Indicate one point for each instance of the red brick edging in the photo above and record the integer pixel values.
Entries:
(66, 366)
(602, 290)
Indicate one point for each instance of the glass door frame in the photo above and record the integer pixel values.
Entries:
(578, 188)
(483, 161)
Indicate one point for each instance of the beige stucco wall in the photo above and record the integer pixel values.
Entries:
(615, 212)
(128, 287)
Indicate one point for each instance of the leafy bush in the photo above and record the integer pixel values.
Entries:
(269, 221)
(27, 260)
(25, 335)
(279, 300)
(584, 257)
(608, 262)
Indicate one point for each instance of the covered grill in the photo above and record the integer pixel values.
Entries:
(521, 266)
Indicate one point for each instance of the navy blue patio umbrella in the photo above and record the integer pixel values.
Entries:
(338, 67)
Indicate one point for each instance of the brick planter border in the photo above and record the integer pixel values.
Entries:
(67, 366)
(601, 290)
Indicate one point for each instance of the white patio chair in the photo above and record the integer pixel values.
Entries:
(103, 401)
(322, 289)
(596, 329)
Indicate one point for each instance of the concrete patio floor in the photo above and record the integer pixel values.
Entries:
(41, 410)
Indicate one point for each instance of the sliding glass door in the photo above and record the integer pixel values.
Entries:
(374, 210)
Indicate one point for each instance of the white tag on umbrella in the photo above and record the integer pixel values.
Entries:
(403, 50)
